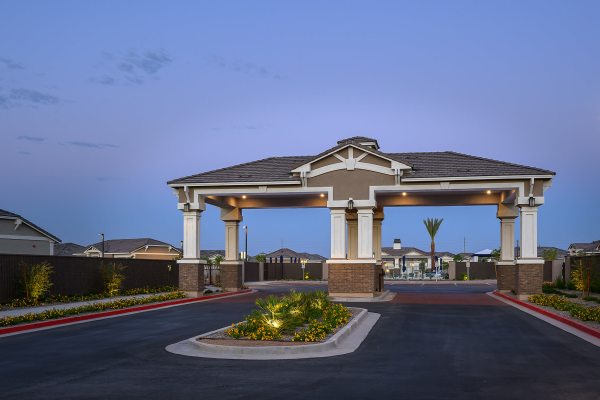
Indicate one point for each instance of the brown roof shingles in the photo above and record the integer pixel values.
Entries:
(443, 164)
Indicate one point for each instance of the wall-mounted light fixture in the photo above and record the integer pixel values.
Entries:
(186, 207)
(350, 204)
(531, 201)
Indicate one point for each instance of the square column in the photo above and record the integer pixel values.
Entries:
(352, 223)
(507, 239)
(377, 223)
(191, 234)
(338, 233)
(528, 232)
(232, 268)
(365, 233)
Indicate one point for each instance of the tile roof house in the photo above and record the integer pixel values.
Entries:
(413, 257)
(145, 248)
(584, 248)
(21, 236)
(290, 256)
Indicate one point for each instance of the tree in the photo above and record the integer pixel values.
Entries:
(261, 257)
(218, 258)
(496, 255)
(550, 254)
(432, 225)
(458, 258)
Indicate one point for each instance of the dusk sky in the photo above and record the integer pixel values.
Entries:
(103, 102)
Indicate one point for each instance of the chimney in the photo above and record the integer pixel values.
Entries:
(397, 244)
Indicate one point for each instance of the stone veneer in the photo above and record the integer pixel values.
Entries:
(529, 279)
(191, 279)
(231, 276)
(507, 276)
(354, 280)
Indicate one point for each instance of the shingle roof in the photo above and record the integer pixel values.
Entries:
(68, 249)
(286, 253)
(127, 245)
(424, 165)
(595, 245)
(390, 251)
(8, 214)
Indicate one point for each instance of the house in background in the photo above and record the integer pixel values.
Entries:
(584, 248)
(209, 255)
(413, 258)
(68, 249)
(145, 248)
(286, 255)
(20, 236)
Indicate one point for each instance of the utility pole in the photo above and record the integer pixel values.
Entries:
(465, 244)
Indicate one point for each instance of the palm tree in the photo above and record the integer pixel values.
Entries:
(432, 225)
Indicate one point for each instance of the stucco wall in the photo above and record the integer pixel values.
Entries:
(20, 246)
(353, 184)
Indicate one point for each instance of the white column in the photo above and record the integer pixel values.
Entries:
(338, 233)
(191, 234)
(232, 240)
(507, 239)
(377, 223)
(365, 233)
(528, 232)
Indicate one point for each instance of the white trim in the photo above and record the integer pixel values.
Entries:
(36, 238)
(257, 183)
(471, 178)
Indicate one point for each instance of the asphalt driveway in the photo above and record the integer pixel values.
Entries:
(432, 342)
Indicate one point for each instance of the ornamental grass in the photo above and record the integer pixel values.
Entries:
(299, 317)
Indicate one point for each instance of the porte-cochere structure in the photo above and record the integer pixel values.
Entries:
(356, 181)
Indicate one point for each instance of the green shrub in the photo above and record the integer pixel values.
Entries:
(559, 283)
(112, 275)
(112, 305)
(35, 280)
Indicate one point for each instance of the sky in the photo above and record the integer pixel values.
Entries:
(101, 103)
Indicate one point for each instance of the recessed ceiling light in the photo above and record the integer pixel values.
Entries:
(244, 196)
(404, 193)
(488, 191)
(322, 195)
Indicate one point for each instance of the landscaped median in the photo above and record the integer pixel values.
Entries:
(56, 317)
(298, 325)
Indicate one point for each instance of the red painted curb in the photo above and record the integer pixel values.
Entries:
(102, 314)
(577, 325)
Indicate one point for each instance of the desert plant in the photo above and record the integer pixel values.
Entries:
(218, 259)
(112, 275)
(582, 276)
(432, 225)
(35, 280)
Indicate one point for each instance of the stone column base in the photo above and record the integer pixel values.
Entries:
(231, 275)
(506, 275)
(529, 279)
(191, 279)
(354, 279)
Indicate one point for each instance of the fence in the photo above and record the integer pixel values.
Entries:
(279, 271)
(83, 275)
(477, 270)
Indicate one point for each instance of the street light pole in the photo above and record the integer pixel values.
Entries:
(246, 246)
(102, 236)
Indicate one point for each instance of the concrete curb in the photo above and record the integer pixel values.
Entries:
(345, 341)
(385, 296)
(78, 319)
(580, 330)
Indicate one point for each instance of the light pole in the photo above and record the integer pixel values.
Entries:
(102, 236)
(246, 245)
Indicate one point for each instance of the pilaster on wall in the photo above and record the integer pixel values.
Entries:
(507, 213)
(338, 233)
(352, 223)
(377, 225)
